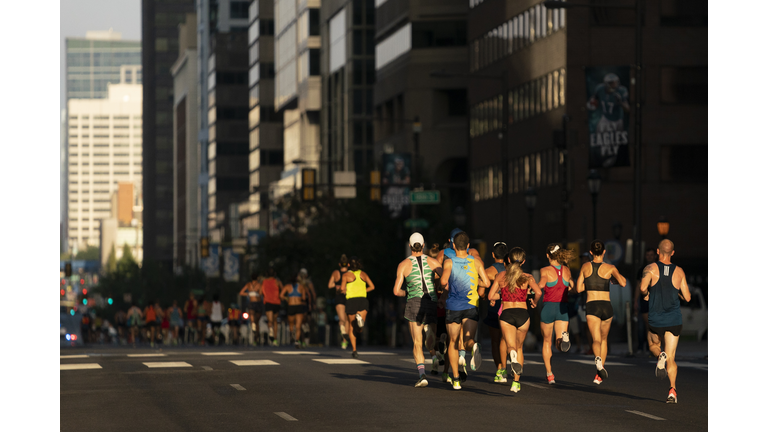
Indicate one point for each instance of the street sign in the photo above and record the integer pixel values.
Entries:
(416, 223)
(425, 197)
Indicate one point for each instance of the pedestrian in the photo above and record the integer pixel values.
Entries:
(217, 316)
(556, 281)
(176, 321)
(641, 304)
(355, 284)
(498, 343)
(595, 278)
(417, 272)
(340, 299)
(295, 295)
(270, 292)
(510, 289)
(464, 280)
(664, 284)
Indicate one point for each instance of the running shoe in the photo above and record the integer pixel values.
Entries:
(661, 366)
(422, 382)
(672, 398)
(597, 379)
(354, 354)
(434, 365)
(500, 378)
(275, 343)
(515, 387)
(463, 369)
(443, 343)
(565, 344)
(600, 370)
(447, 378)
(477, 359)
(512, 363)
(359, 318)
(344, 345)
(456, 384)
(551, 379)
(462, 376)
(297, 345)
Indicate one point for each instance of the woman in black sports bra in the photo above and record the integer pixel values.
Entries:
(595, 277)
(341, 299)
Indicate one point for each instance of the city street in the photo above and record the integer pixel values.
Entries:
(236, 388)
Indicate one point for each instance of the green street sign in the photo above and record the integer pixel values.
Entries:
(425, 197)
(416, 223)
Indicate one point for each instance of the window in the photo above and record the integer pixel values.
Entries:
(271, 157)
(314, 62)
(429, 34)
(238, 10)
(314, 22)
(684, 85)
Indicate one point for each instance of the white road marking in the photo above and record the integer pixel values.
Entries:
(427, 361)
(238, 386)
(640, 413)
(285, 416)
(592, 362)
(375, 353)
(340, 361)
(148, 355)
(254, 363)
(207, 368)
(534, 385)
(221, 353)
(166, 364)
(296, 352)
(73, 356)
(79, 366)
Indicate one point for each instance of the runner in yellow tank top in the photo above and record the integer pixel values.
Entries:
(353, 285)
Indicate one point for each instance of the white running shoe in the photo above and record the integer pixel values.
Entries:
(661, 366)
(422, 382)
(477, 358)
(462, 361)
(565, 344)
(517, 368)
(600, 370)
(359, 318)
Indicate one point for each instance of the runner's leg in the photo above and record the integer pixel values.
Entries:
(560, 327)
(454, 332)
(546, 347)
(670, 348)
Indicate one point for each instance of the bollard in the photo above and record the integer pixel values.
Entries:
(628, 317)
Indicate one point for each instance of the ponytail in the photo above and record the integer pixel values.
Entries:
(512, 264)
(559, 254)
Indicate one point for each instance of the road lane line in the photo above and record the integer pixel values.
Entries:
(79, 366)
(592, 362)
(221, 353)
(535, 385)
(254, 363)
(148, 355)
(238, 386)
(640, 413)
(296, 352)
(73, 356)
(340, 361)
(375, 353)
(285, 416)
(166, 364)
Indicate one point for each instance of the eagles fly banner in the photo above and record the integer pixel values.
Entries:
(608, 116)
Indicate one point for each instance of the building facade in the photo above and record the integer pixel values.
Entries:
(550, 57)
(105, 148)
(159, 49)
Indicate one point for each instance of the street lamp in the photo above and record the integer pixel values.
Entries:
(594, 188)
(530, 202)
(638, 8)
(663, 226)
(503, 136)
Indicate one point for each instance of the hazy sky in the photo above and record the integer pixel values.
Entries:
(79, 16)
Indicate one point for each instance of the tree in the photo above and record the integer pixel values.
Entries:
(112, 260)
(90, 254)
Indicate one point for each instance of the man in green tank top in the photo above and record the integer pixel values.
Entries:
(421, 306)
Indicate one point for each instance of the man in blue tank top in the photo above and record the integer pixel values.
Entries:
(663, 285)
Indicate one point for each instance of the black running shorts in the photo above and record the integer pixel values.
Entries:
(341, 299)
(457, 317)
(272, 307)
(516, 317)
(295, 309)
(659, 331)
(600, 308)
(356, 304)
(421, 310)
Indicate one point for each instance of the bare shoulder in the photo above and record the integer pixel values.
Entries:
(433, 262)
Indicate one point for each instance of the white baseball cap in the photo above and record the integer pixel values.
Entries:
(416, 238)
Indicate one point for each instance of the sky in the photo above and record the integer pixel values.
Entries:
(80, 16)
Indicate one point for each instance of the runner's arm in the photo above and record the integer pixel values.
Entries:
(367, 280)
(447, 266)
(484, 282)
(493, 294)
(580, 281)
(344, 282)
(397, 290)
(645, 282)
(332, 280)
(245, 288)
(282, 292)
(437, 268)
(536, 291)
(619, 278)
(683, 292)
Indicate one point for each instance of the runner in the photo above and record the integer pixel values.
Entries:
(511, 286)
(202, 319)
(151, 323)
(295, 295)
(176, 321)
(465, 280)
(442, 345)
(309, 305)
(596, 278)
(664, 284)
(417, 271)
(498, 344)
(340, 300)
(135, 318)
(641, 304)
(270, 291)
(353, 285)
(252, 301)
(190, 310)
(554, 311)
(217, 316)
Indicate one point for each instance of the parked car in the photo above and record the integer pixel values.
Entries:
(695, 314)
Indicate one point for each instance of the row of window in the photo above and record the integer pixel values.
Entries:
(535, 97)
(99, 154)
(526, 28)
(105, 173)
(536, 170)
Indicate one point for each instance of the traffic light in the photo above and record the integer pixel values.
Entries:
(375, 185)
(204, 247)
(308, 182)
(68, 269)
(85, 291)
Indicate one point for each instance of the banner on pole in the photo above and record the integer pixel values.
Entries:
(608, 116)
(396, 182)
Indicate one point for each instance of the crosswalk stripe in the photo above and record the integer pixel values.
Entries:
(296, 352)
(221, 353)
(238, 386)
(79, 366)
(640, 413)
(340, 361)
(73, 356)
(285, 416)
(375, 353)
(254, 363)
(148, 355)
(166, 364)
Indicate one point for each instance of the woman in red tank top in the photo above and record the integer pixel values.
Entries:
(270, 291)
(511, 287)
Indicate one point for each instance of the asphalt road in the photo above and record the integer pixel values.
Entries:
(235, 388)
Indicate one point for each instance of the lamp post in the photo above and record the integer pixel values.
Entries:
(530, 202)
(638, 8)
(663, 227)
(593, 180)
(503, 135)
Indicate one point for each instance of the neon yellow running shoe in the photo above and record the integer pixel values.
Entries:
(515, 387)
